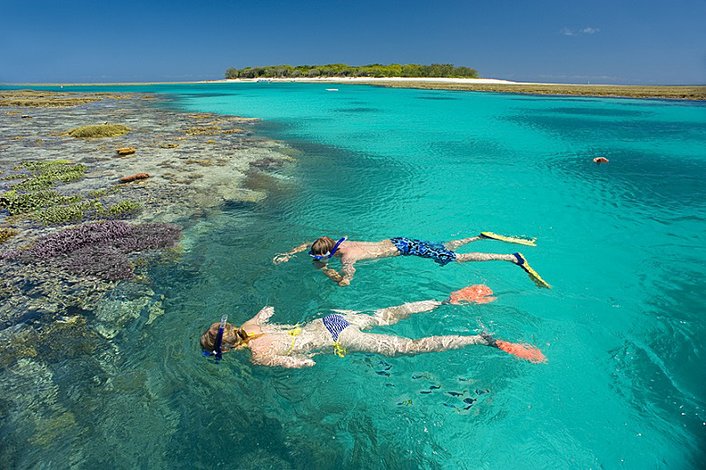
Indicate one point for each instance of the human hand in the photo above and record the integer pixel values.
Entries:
(344, 282)
(281, 258)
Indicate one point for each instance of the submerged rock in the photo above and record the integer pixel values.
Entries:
(135, 177)
(126, 150)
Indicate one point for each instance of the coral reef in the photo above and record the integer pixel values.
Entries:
(40, 99)
(97, 131)
(212, 130)
(6, 234)
(167, 145)
(98, 249)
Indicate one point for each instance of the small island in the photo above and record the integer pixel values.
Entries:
(451, 77)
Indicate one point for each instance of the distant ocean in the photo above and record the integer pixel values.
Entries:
(623, 245)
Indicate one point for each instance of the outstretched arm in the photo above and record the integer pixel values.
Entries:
(284, 257)
(332, 274)
(348, 271)
(289, 362)
(263, 316)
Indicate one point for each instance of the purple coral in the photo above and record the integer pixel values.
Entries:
(99, 249)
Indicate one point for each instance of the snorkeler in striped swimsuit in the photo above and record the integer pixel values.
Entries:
(349, 252)
(343, 332)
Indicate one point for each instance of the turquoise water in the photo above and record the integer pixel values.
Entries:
(622, 244)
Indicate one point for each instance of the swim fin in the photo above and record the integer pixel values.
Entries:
(534, 275)
(523, 351)
(503, 238)
(477, 293)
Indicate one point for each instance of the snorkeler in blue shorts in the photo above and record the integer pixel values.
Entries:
(349, 252)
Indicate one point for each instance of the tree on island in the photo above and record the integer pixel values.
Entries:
(343, 70)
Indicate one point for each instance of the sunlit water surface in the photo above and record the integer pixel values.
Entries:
(623, 245)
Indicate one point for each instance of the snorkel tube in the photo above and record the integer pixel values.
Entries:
(328, 254)
(218, 351)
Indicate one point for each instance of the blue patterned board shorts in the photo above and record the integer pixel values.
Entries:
(335, 324)
(435, 251)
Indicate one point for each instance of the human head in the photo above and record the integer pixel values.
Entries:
(321, 247)
(232, 337)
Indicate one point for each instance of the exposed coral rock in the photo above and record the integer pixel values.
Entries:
(126, 150)
(135, 177)
(98, 131)
(41, 99)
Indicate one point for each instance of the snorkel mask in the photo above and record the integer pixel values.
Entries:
(218, 346)
(328, 254)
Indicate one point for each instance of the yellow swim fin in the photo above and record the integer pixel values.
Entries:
(534, 275)
(503, 238)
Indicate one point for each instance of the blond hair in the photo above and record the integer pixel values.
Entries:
(232, 337)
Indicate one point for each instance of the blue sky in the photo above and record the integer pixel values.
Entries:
(647, 42)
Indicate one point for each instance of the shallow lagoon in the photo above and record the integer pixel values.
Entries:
(622, 244)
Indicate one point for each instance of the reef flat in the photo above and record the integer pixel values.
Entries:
(81, 222)
(695, 93)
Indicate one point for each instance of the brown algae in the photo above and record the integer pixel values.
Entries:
(97, 131)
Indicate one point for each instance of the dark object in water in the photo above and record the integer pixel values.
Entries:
(455, 394)
(434, 387)
(382, 372)
(425, 392)
(470, 401)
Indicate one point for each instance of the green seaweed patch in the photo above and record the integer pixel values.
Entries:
(96, 193)
(53, 428)
(97, 131)
(20, 345)
(124, 208)
(6, 234)
(44, 175)
(14, 176)
(60, 215)
(21, 203)
(86, 210)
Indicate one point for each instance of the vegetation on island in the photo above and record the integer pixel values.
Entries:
(343, 70)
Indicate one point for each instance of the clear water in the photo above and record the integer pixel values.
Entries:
(623, 245)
